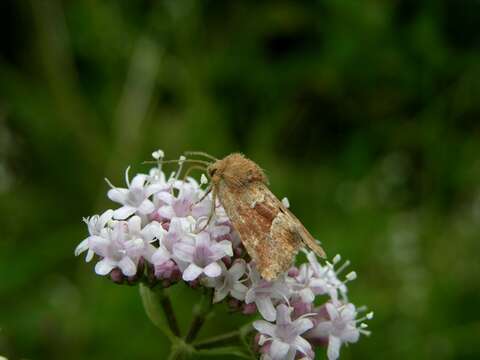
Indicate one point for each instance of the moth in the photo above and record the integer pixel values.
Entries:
(270, 232)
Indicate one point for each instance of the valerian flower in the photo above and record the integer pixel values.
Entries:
(96, 224)
(134, 198)
(340, 327)
(229, 283)
(263, 293)
(120, 248)
(285, 334)
(202, 256)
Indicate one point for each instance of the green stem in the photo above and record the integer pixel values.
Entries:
(201, 312)
(217, 340)
(156, 301)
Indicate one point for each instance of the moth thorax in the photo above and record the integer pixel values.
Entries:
(235, 169)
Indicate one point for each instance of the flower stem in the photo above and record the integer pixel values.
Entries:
(224, 338)
(156, 301)
(169, 314)
(201, 312)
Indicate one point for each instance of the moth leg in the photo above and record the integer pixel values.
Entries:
(212, 209)
(207, 191)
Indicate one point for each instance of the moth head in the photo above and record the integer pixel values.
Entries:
(213, 169)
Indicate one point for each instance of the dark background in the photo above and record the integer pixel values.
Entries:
(364, 113)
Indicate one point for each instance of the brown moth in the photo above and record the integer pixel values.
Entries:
(271, 234)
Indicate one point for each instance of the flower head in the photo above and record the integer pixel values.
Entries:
(202, 256)
(285, 334)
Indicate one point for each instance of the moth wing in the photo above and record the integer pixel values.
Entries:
(264, 226)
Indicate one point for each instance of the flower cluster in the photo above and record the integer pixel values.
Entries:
(162, 232)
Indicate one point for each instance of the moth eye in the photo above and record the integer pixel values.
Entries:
(212, 171)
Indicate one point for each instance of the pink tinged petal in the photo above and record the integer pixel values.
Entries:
(203, 239)
(332, 311)
(349, 312)
(192, 272)
(265, 307)
(103, 267)
(307, 295)
(135, 224)
(333, 351)
(138, 181)
(322, 329)
(127, 266)
(184, 251)
(146, 207)
(237, 270)
(283, 315)
(124, 212)
(83, 246)
(213, 270)
(351, 334)
(302, 325)
(166, 212)
(118, 195)
(264, 327)
(279, 350)
(165, 197)
(154, 188)
(302, 345)
(99, 245)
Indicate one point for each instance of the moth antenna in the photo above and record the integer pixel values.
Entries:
(201, 153)
(202, 162)
(191, 168)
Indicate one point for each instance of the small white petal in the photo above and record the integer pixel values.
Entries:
(264, 327)
(118, 195)
(265, 307)
(302, 325)
(124, 212)
(138, 181)
(333, 351)
(192, 272)
(103, 267)
(127, 266)
(146, 207)
(99, 245)
(278, 350)
(302, 345)
(83, 246)
(213, 270)
(184, 251)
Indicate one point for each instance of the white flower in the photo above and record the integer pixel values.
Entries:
(340, 328)
(119, 248)
(323, 279)
(135, 198)
(180, 230)
(229, 282)
(96, 224)
(262, 292)
(202, 256)
(284, 334)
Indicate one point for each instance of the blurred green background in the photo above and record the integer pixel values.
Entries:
(364, 113)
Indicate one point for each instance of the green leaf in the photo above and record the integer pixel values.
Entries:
(151, 304)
